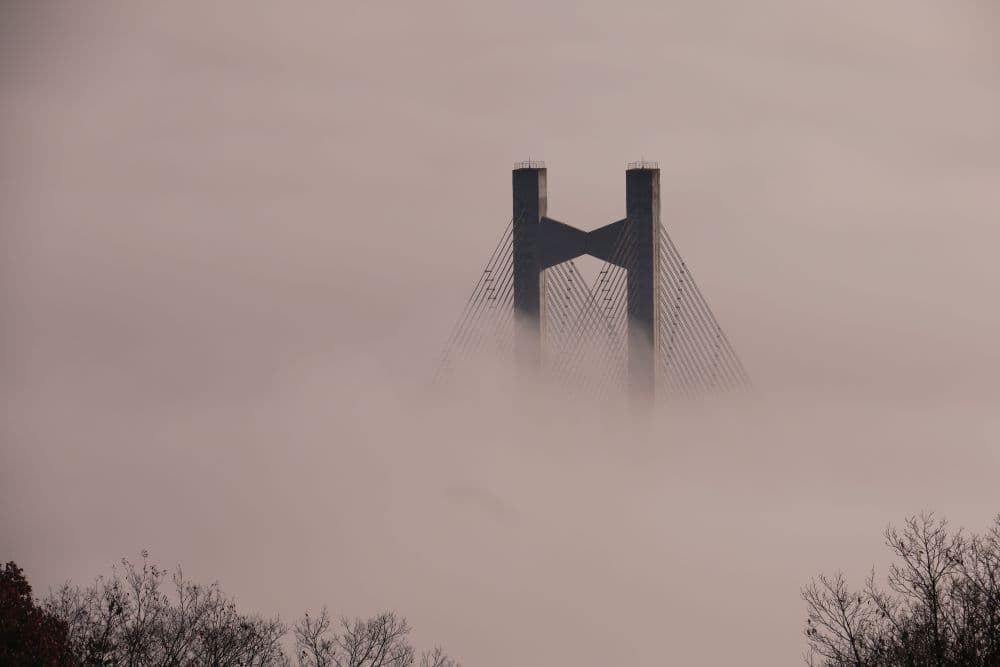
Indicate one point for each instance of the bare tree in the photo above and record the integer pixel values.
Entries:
(975, 618)
(839, 622)
(437, 658)
(925, 564)
(127, 619)
(941, 607)
(380, 641)
(315, 641)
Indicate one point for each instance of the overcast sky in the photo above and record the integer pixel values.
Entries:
(235, 235)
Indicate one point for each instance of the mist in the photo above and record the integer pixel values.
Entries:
(235, 237)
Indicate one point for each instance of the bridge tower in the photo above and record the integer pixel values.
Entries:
(530, 201)
(644, 325)
(539, 242)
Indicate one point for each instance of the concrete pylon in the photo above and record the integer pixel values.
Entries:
(642, 210)
(529, 280)
(540, 242)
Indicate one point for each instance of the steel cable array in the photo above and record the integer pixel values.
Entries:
(585, 328)
(695, 355)
(487, 319)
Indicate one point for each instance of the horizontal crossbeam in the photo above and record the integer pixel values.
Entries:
(559, 242)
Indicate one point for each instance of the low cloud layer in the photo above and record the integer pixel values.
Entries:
(234, 239)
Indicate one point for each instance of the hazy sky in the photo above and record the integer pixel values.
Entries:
(235, 235)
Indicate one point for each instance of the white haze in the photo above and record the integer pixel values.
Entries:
(235, 236)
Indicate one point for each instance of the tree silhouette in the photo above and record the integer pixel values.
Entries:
(941, 607)
(142, 615)
(380, 641)
(28, 635)
(128, 619)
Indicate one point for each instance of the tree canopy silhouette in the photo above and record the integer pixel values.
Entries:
(28, 634)
(940, 606)
(143, 615)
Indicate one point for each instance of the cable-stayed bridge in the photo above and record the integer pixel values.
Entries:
(642, 326)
